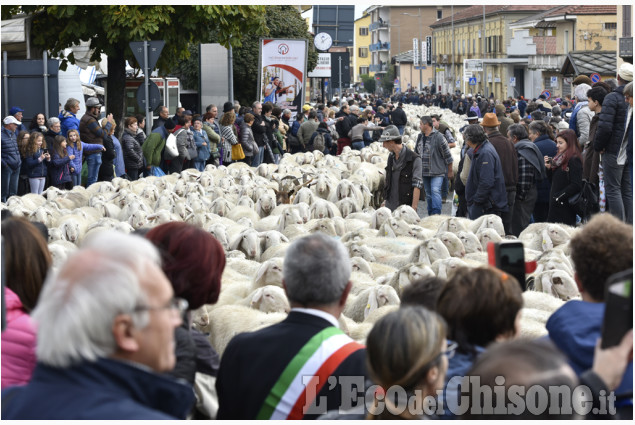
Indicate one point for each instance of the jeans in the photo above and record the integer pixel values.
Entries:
(432, 185)
(357, 145)
(199, 165)
(619, 190)
(9, 182)
(37, 185)
(76, 179)
(258, 159)
(445, 186)
(93, 162)
(401, 129)
(507, 216)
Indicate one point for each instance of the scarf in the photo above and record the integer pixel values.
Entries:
(558, 160)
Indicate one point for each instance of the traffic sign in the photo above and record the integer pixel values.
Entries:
(512, 81)
(595, 77)
(472, 81)
(554, 81)
(155, 96)
(547, 94)
(154, 51)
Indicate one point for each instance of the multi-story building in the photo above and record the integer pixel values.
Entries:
(392, 30)
(361, 53)
(483, 32)
(567, 41)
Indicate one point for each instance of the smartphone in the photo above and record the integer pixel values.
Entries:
(508, 256)
(618, 313)
(45, 150)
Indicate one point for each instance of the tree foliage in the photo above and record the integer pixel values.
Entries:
(110, 28)
(282, 22)
(369, 83)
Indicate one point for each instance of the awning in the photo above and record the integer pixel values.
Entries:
(13, 30)
(588, 62)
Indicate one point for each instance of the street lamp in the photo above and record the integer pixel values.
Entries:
(419, 41)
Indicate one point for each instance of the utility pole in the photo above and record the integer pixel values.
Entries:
(340, 61)
(484, 66)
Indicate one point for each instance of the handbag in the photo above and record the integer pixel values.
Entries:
(237, 152)
(156, 171)
(170, 146)
(586, 202)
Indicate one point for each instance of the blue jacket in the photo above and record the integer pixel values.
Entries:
(547, 148)
(200, 137)
(458, 366)
(105, 389)
(77, 162)
(9, 152)
(35, 168)
(59, 169)
(575, 328)
(68, 121)
(120, 166)
(485, 183)
(573, 119)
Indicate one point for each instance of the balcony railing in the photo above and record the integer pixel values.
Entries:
(379, 46)
(546, 62)
(377, 25)
(378, 68)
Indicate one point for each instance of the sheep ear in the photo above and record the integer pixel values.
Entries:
(403, 280)
(284, 239)
(372, 303)
(233, 245)
(256, 298)
(262, 270)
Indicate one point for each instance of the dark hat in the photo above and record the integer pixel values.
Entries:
(187, 112)
(228, 106)
(198, 118)
(169, 125)
(15, 110)
(390, 133)
(582, 79)
(542, 96)
(471, 116)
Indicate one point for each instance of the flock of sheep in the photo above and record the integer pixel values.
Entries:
(255, 213)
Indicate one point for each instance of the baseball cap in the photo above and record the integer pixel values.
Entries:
(11, 120)
(15, 110)
(306, 108)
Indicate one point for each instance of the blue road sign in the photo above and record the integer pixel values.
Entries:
(472, 81)
(547, 93)
(595, 77)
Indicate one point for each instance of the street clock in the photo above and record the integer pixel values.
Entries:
(323, 41)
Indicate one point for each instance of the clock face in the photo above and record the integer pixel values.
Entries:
(323, 41)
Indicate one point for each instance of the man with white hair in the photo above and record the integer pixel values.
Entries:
(297, 368)
(106, 326)
(11, 161)
(580, 120)
(609, 138)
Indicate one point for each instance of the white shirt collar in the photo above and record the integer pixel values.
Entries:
(319, 313)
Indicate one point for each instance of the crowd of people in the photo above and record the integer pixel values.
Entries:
(109, 336)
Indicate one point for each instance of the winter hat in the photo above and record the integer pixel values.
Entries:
(580, 91)
(582, 79)
(626, 71)
(169, 125)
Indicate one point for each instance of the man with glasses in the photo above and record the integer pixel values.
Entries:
(106, 326)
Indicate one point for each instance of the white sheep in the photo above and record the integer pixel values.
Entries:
(557, 283)
(452, 243)
(406, 213)
(321, 208)
(247, 241)
(486, 235)
(268, 299)
(408, 274)
(370, 300)
(446, 267)
(429, 251)
(470, 241)
(490, 221)
(271, 238)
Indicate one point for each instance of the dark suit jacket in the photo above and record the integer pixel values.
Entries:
(253, 362)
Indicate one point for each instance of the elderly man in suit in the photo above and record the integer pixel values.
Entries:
(297, 369)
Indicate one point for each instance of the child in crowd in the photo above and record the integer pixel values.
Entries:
(37, 160)
(60, 168)
(75, 147)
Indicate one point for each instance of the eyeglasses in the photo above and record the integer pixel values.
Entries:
(175, 304)
(451, 350)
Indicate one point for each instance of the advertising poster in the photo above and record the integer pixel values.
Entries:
(283, 73)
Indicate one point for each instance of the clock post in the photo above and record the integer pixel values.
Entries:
(322, 42)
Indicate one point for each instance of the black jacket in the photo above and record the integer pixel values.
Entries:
(612, 122)
(564, 184)
(398, 117)
(132, 153)
(106, 170)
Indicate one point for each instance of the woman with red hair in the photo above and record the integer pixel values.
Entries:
(193, 260)
(565, 172)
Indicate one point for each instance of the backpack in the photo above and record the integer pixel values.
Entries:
(318, 141)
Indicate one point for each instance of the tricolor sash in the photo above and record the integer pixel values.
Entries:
(318, 359)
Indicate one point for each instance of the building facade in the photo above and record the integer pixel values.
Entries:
(625, 34)
(361, 52)
(483, 33)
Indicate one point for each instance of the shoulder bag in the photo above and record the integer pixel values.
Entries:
(170, 146)
(237, 152)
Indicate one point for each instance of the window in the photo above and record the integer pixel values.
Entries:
(363, 52)
(363, 31)
(609, 26)
(626, 21)
(439, 14)
(363, 70)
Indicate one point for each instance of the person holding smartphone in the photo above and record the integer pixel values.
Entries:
(37, 160)
(604, 246)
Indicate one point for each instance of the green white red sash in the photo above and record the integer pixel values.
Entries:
(319, 358)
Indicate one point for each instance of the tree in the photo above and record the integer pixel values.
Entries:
(282, 22)
(369, 83)
(111, 28)
(388, 81)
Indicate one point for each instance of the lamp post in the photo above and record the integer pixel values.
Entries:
(419, 41)
(398, 47)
